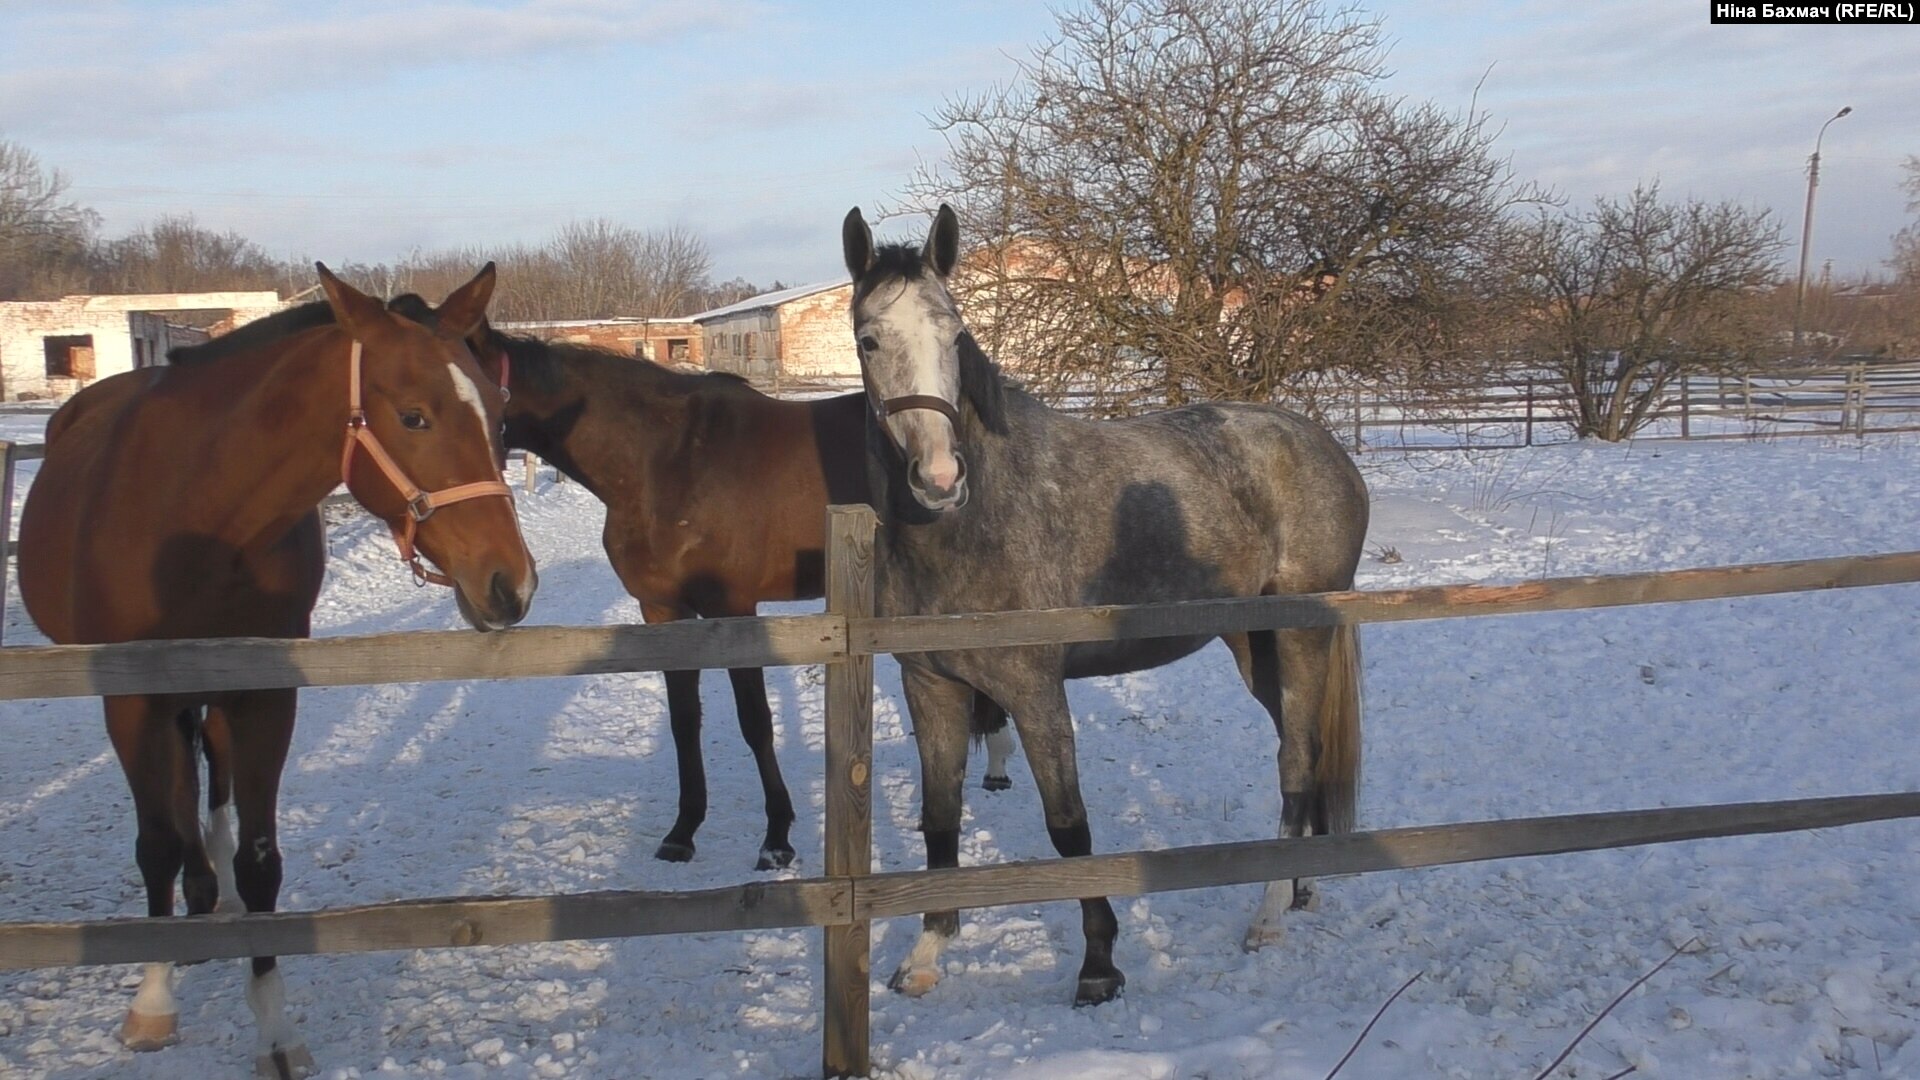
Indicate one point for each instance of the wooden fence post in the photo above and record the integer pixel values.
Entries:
(6, 526)
(1686, 401)
(1858, 377)
(849, 792)
(1529, 412)
(1356, 417)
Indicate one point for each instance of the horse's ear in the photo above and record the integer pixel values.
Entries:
(856, 243)
(489, 350)
(354, 310)
(943, 242)
(465, 307)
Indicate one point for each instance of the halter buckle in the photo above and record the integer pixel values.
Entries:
(420, 507)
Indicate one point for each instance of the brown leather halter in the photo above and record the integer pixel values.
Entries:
(941, 405)
(420, 504)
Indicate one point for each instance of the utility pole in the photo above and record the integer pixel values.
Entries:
(1806, 234)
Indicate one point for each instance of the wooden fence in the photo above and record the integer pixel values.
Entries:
(1520, 409)
(845, 899)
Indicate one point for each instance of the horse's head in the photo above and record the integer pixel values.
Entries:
(908, 330)
(423, 448)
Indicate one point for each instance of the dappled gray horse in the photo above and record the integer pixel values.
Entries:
(990, 501)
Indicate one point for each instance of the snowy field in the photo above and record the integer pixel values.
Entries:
(1806, 960)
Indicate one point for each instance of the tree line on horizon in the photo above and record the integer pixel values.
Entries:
(1178, 200)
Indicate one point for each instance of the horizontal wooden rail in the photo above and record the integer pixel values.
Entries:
(156, 667)
(482, 921)
(908, 892)
(933, 633)
(453, 922)
(178, 667)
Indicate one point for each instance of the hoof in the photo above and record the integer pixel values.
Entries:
(1098, 989)
(1259, 937)
(914, 982)
(149, 1031)
(284, 1063)
(1305, 899)
(996, 783)
(673, 851)
(774, 858)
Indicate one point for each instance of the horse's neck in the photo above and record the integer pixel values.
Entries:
(600, 419)
(257, 460)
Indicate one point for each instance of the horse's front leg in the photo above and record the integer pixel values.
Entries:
(683, 716)
(940, 708)
(756, 727)
(1046, 732)
(260, 725)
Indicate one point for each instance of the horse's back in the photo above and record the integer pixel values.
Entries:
(1211, 499)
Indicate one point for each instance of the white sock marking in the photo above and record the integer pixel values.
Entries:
(267, 997)
(220, 849)
(155, 996)
(999, 749)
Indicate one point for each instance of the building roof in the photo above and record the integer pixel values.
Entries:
(768, 300)
(575, 324)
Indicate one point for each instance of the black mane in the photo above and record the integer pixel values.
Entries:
(253, 335)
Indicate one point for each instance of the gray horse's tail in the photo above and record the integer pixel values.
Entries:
(1336, 771)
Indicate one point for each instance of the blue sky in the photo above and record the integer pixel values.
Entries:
(356, 130)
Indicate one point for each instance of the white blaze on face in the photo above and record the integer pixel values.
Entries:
(918, 329)
(469, 392)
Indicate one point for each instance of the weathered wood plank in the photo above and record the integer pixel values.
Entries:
(9, 453)
(454, 922)
(933, 633)
(849, 796)
(482, 921)
(889, 895)
(168, 667)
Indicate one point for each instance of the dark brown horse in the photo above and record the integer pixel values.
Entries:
(181, 502)
(716, 501)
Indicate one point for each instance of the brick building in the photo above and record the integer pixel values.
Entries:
(796, 333)
(671, 342)
(51, 348)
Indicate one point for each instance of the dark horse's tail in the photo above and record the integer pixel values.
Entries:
(1336, 770)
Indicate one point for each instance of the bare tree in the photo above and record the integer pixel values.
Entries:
(1179, 198)
(1627, 297)
(43, 234)
(176, 254)
(1906, 243)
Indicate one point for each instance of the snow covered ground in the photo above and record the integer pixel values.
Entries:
(1807, 960)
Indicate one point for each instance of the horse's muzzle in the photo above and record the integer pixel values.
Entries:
(938, 497)
(504, 605)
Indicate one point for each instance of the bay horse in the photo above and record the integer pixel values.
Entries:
(716, 499)
(991, 501)
(182, 502)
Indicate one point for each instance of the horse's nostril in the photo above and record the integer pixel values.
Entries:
(505, 599)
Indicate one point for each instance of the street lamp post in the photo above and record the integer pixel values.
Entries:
(1806, 232)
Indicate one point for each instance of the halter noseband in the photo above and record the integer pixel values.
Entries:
(891, 406)
(420, 504)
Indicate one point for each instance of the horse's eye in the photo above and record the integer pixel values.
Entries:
(868, 343)
(414, 421)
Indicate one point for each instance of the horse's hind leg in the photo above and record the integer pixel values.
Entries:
(260, 724)
(756, 727)
(940, 709)
(990, 726)
(1286, 671)
(154, 741)
(217, 746)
